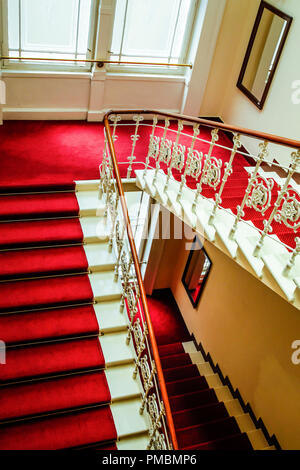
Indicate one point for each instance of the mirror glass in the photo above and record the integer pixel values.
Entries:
(264, 49)
(196, 271)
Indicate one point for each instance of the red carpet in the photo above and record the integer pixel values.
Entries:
(43, 261)
(60, 432)
(201, 421)
(40, 233)
(39, 293)
(52, 358)
(75, 391)
(53, 390)
(42, 325)
(73, 151)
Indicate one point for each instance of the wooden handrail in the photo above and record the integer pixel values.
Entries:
(160, 376)
(226, 127)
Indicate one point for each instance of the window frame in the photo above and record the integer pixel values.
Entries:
(155, 70)
(7, 64)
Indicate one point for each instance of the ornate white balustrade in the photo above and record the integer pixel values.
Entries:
(145, 368)
(197, 181)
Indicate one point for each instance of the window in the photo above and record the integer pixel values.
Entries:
(152, 31)
(57, 29)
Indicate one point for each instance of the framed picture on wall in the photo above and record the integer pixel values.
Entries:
(196, 271)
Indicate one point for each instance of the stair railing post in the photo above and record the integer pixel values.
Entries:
(125, 268)
(113, 217)
(285, 213)
(153, 145)
(292, 260)
(135, 137)
(177, 155)
(120, 245)
(188, 160)
(240, 209)
(103, 170)
(164, 150)
(227, 172)
(132, 302)
(214, 139)
(140, 343)
(147, 376)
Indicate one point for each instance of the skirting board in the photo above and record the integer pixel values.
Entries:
(40, 114)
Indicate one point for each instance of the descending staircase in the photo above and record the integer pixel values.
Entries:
(66, 354)
(67, 381)
(206, 417)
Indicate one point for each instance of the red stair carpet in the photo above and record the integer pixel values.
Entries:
(201, 421)
(73, 152)
(53, 390)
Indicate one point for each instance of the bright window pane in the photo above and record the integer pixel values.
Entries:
(49, 28)
(155, 29)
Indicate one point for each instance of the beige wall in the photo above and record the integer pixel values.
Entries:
(248, 330)
(279, 115)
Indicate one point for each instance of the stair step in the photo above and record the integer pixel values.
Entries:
(199, 415)
(50, 292)
(89, 204)
(53, 396)
(104, 286)
(193, 399)
(127, 418)
(179, 387)
(94, 229)
(109, 317)
(61, 432)
(207, 432)
(234, 442)
(170, 349)
(178, 373)
(50, 359)
(99, 258)
(39, 262)
(36, 206)
(40, 233)
(115, 349)
(122, 374)
(175, 360)
(139, 442)
(20, 328)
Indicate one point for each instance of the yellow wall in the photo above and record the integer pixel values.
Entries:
(248, 330)
(222, 98)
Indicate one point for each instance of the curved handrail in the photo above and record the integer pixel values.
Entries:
(226, 127)
(160, 376)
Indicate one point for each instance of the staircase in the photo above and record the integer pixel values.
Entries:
(80, 347)
(67, 381)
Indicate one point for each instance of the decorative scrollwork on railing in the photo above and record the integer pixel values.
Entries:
(212, 174)
(140, 342)
(289, 213)
(178, 157)
(147, 377)
(132, 300)
(158, 442)
(156, 412)
(260, 196)
(194, 164)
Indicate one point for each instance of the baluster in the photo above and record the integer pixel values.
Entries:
(288, 209)
(214, 139)
(240, 209)
(135, 137)
(227, 172)
(292, 260)
(132, 301)
(120, 244)
(147, 376)
(140, 343)
(159, 442)
(102, 185)
(177, 155)
(125, 267)
(164, 149)
(155, 417)
(114, 215)
(189, 160)
(152, 145)
(115, 118)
